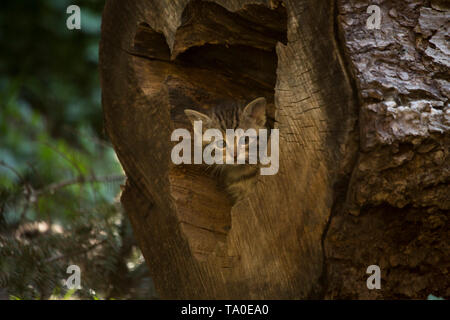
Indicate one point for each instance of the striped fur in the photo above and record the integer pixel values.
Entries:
(237, 179)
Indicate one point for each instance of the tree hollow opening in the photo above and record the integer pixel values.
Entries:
(218, 57)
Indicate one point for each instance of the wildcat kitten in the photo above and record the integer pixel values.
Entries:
(237, 179)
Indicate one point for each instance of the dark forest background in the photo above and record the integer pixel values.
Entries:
(59, 176)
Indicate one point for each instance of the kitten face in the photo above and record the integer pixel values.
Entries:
(252, 116)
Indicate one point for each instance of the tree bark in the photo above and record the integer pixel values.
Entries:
(363, 118)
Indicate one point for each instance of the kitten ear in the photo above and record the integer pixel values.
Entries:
(197, 116)
(256, 110)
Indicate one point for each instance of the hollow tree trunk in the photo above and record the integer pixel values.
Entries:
(363, 118)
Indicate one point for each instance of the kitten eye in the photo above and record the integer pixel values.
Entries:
(221, 144)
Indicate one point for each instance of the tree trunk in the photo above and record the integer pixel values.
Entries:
(364, 140)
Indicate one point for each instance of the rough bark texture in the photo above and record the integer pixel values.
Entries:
(399, 191)
(363, 120)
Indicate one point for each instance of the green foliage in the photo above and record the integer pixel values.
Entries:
(59, 176)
